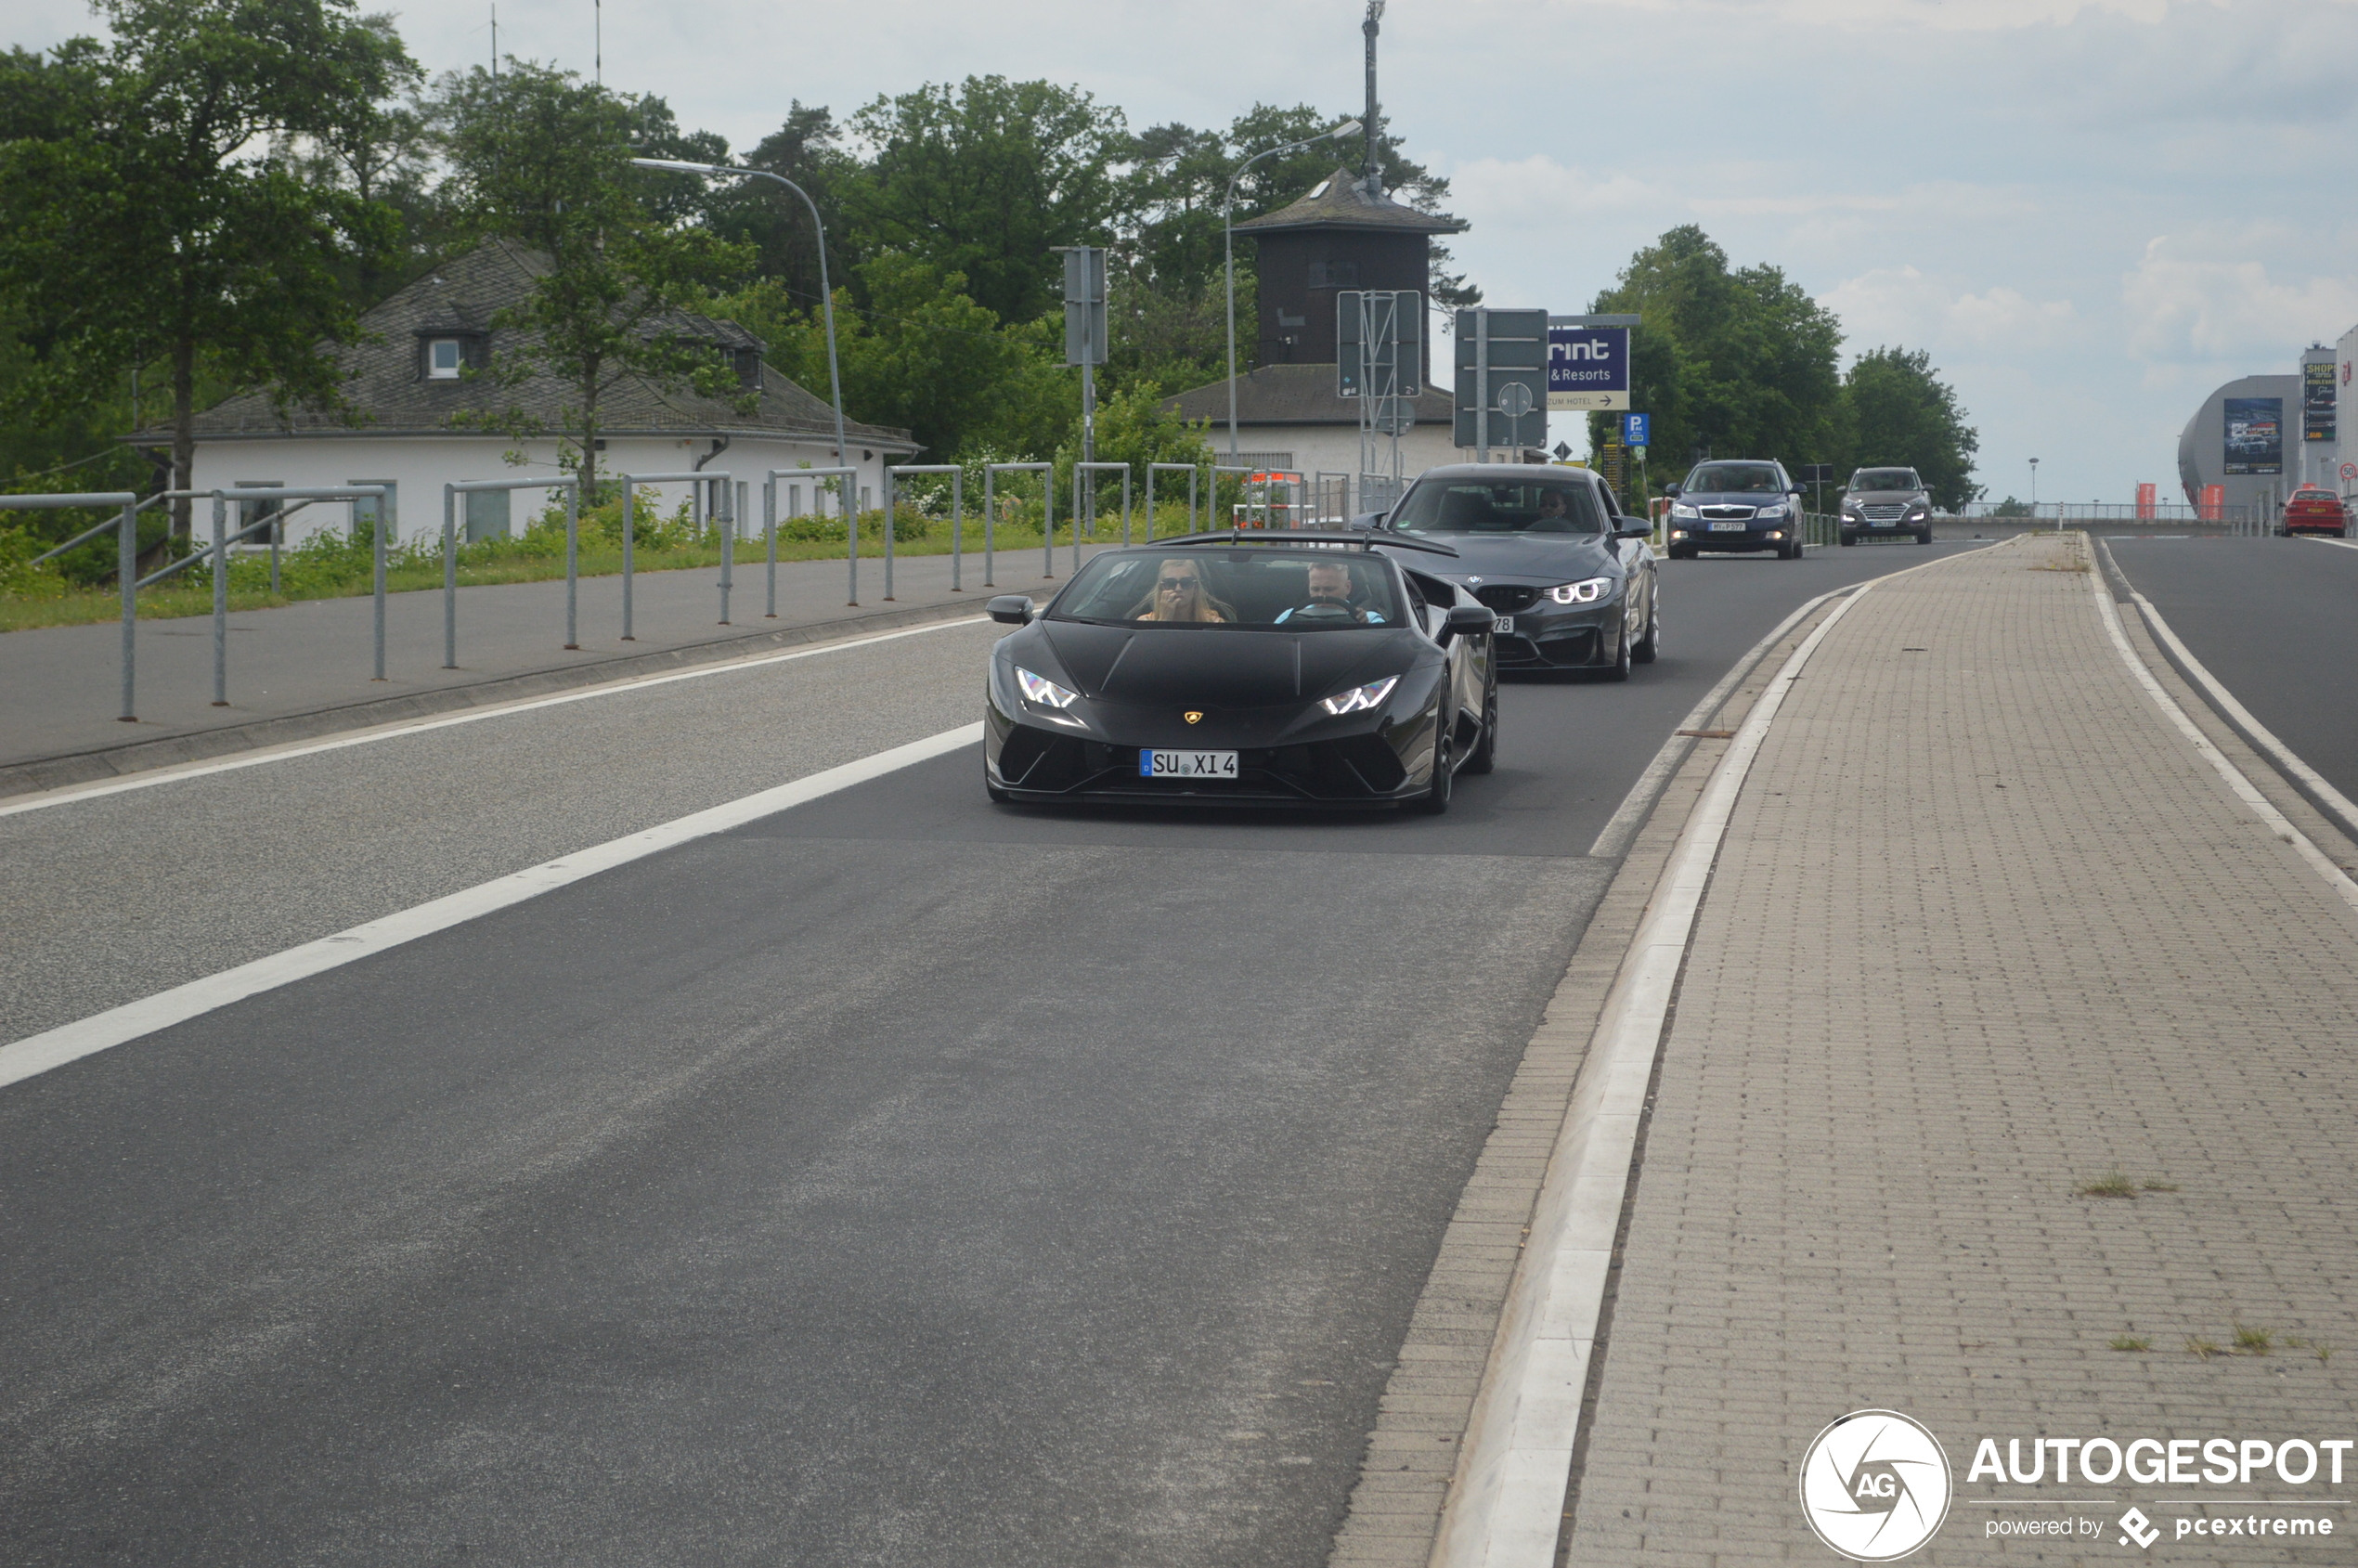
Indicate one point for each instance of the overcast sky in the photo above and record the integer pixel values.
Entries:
(2088, 214)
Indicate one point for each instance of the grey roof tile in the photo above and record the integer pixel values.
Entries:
(1337, 201)
(461, 297)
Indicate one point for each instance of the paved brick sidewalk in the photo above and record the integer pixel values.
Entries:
(1985, 929)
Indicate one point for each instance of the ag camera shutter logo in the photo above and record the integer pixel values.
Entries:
(1875, 1485)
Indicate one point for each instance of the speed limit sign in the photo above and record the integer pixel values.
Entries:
(2349, 471)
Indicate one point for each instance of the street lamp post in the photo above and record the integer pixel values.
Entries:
(826, 295)
(2034, 489)
(1228, 232)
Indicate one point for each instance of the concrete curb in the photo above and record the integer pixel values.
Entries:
(106, 762)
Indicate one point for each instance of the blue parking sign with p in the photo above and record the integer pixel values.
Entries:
(1634, 430)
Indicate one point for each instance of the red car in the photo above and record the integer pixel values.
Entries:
(2312, 510)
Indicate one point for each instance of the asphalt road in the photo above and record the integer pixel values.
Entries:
(2272, 619)
(897, 1180)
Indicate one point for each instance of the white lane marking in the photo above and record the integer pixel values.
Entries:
(2338, 544)
(69, 794)
(2233, 776)
(1506, 1505)
(39, 1053)
(2286, 759)
(1631, 814)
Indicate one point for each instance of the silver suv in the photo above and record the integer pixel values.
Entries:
(1884, 503)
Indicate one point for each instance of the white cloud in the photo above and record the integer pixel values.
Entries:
(1893, 306)
(2183, 305)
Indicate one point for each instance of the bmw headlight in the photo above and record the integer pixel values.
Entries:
(1769, 512)
(1585, 593)
(1046, 693)
(1680, 509)
(1359, 697)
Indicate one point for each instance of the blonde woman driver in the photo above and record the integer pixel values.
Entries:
(1179, 594)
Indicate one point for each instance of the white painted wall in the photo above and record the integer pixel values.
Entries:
(1334, 449)
(420, 466)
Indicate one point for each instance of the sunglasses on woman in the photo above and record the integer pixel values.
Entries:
(1172, 584)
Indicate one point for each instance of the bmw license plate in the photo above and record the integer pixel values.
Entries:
(1730, 528)
(1187, 765)
(1503, 625)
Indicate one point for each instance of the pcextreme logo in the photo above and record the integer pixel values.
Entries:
(1875, 1485)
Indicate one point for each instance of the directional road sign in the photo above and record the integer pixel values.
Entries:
(1497, 349)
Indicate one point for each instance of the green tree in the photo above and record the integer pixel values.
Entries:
(1899, 412)
(921, 354)
(148, 215)
(985, 179)
(1732, 362)
(542, 157)
(1133, 428)
(804, 149)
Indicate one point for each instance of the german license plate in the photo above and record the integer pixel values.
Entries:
(1730, 528)
(1883, 523)
(1503, 625)
(1187, 765)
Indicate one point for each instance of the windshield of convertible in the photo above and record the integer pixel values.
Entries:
(1733, 478)
(1262, 588)
(1521, 506)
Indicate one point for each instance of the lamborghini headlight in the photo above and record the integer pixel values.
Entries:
(1359, 697)
(1046, 693)
(1585, 593)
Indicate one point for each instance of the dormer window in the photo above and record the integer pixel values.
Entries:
(444, 357)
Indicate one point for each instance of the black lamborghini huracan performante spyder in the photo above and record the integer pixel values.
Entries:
(1293, 667)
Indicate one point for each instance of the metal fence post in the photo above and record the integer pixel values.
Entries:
(220, 602)
(573, 562)
(629, 492)
(377, 533)
(883, 483)
(957, 530)
(770, 541)
(989, 520)
(728, 524)
(126, 568)
(450, 577)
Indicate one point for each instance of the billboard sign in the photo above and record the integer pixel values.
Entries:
(2148, 497)
(2317, 401)
(2255, 435)
(1587, 368)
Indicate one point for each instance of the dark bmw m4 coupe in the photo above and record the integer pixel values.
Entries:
(1568, 578)
(1285, 669)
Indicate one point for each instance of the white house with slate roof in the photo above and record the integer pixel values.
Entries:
(407, 383)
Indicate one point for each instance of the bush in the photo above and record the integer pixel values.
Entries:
(18, 576)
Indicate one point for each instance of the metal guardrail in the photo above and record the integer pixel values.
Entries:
(848, 488)
(1088, 472)
(957, 513)
(126, 528)
(384, 524)
(990, 472)
(1190, 469)
(630, 483)
(450, 494)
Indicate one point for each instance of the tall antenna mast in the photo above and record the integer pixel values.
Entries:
(1372, 173)
(598, 36)
(494, 41)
